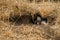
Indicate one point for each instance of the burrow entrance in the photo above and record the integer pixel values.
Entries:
(28, 19)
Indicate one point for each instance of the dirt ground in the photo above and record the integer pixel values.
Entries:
(15, 25)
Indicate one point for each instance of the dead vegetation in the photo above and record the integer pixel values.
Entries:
(29, 20)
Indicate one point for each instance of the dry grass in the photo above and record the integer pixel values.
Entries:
(10, 31)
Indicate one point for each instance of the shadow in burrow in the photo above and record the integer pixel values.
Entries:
(26, 19)
(23, 19)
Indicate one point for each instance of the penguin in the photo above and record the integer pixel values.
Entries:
(37, 18)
